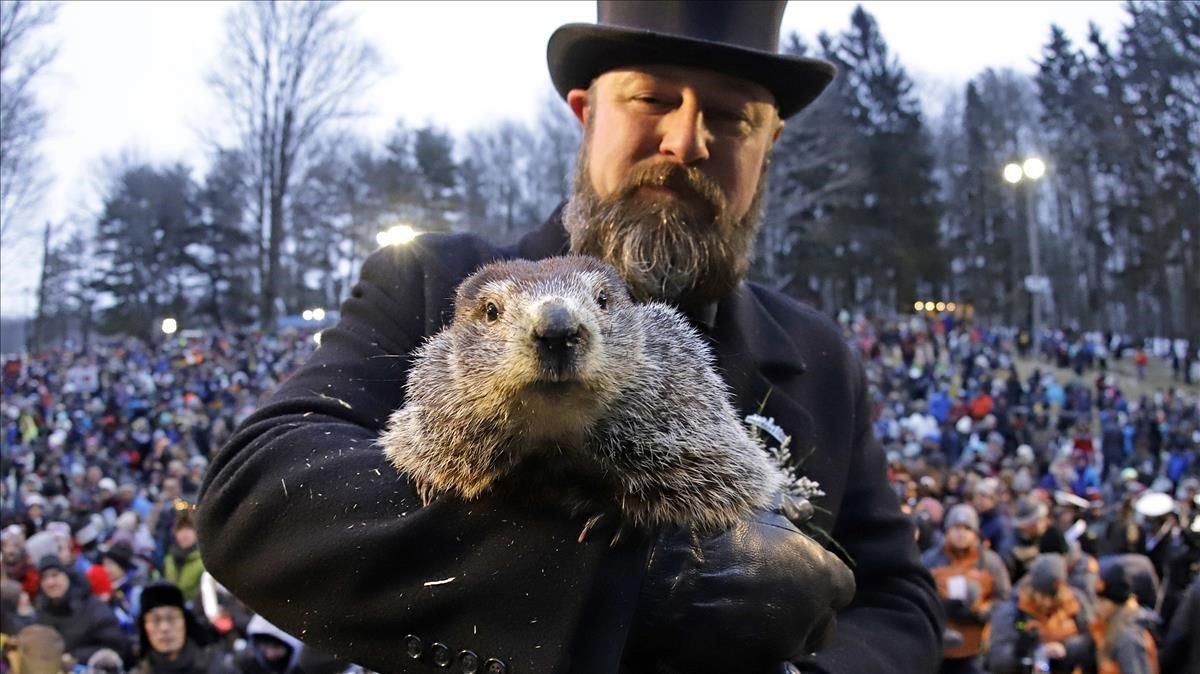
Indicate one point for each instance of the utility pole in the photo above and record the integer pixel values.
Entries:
(39, 321)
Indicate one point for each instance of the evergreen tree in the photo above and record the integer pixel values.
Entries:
(146, 224)
(900, 209)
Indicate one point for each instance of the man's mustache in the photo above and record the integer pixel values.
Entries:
(688, 181)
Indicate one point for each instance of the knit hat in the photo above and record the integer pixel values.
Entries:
(963, 515)
(1114, 584)
(1047, 572)
(120, 552)
(48, 562)
(1029, 511)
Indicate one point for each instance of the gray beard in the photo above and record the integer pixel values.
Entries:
(682, 249)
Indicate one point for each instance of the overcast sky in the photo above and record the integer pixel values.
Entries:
(130, 76)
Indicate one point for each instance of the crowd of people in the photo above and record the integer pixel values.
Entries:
(1058, 508)
(1057, 501)
(104, 450)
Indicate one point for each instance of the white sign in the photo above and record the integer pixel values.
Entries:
(83, 378)
(1037, 284)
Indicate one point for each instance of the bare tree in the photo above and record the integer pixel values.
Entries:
(22, 120)
(290, 70)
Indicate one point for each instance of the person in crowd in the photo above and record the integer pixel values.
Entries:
(182, 564)
(16, 611)
(994, 524)
(38, 649)
(85, 623)
(269, 650)
(16, 562)
(1181, 645)
(1123, 643)
(1033, 535)
(172, 641)
(105, 661)
(126, 579)
(1046, 621)
(970, 578)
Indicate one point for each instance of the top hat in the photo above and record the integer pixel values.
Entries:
(740, 39)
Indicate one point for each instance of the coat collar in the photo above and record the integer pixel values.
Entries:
(741, 317)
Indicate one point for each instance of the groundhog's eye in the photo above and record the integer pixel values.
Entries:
(602, 299)
(492, 312)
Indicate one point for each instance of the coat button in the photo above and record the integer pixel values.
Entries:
(413, 646)
(468, 662)
(494, 666)
(440, 654)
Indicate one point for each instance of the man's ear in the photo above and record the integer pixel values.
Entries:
(778, 131)
(577, 100)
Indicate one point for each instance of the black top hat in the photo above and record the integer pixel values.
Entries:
(740, 39)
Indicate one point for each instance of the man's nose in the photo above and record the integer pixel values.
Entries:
(685, 137)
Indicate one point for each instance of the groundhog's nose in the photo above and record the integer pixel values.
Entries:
(557, 335)
(556, 329)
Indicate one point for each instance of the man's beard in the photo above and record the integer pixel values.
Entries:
(683, 248)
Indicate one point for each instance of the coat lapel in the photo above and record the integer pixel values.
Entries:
(762, 365)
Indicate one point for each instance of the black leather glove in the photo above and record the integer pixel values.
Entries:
(743, 600)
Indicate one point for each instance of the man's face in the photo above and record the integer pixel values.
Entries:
(55, 583)
(1045, 603)
(983, 502)
(13, 548)
(961, 538)
(669, 178)
(165, 629)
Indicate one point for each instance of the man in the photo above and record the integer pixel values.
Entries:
(970, 578)
(994, 525)
(669, 183)
(1046, 620)
(1033, 534)
(84, 622)
(171, 639)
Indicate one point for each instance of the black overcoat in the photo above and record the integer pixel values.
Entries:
(301, 516)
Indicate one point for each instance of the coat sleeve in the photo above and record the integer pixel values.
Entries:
(304, 520)
(1131, 655)
(1003, 656)
(895, 621)
(1001, 583)
(103, 632)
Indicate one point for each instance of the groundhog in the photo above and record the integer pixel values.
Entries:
(550, 377)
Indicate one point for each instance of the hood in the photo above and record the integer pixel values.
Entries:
(259, 625)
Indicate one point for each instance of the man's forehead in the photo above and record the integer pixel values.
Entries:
(696, 77)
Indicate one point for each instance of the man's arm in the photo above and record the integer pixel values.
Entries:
(305, 521)
(895, 622)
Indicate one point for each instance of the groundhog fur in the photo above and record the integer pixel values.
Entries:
(619, 409)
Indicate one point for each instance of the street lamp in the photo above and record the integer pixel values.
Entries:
(169, 326)
(1031, 170)
(397, 235)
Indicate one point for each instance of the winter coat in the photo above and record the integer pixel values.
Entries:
(86, 625)
(191, 660)
(1067, 624)
(1134, 650)
(184, 569)
(303, 518)
(987, 580)
(1181, 647)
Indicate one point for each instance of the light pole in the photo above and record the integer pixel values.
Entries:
(1031, 170)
